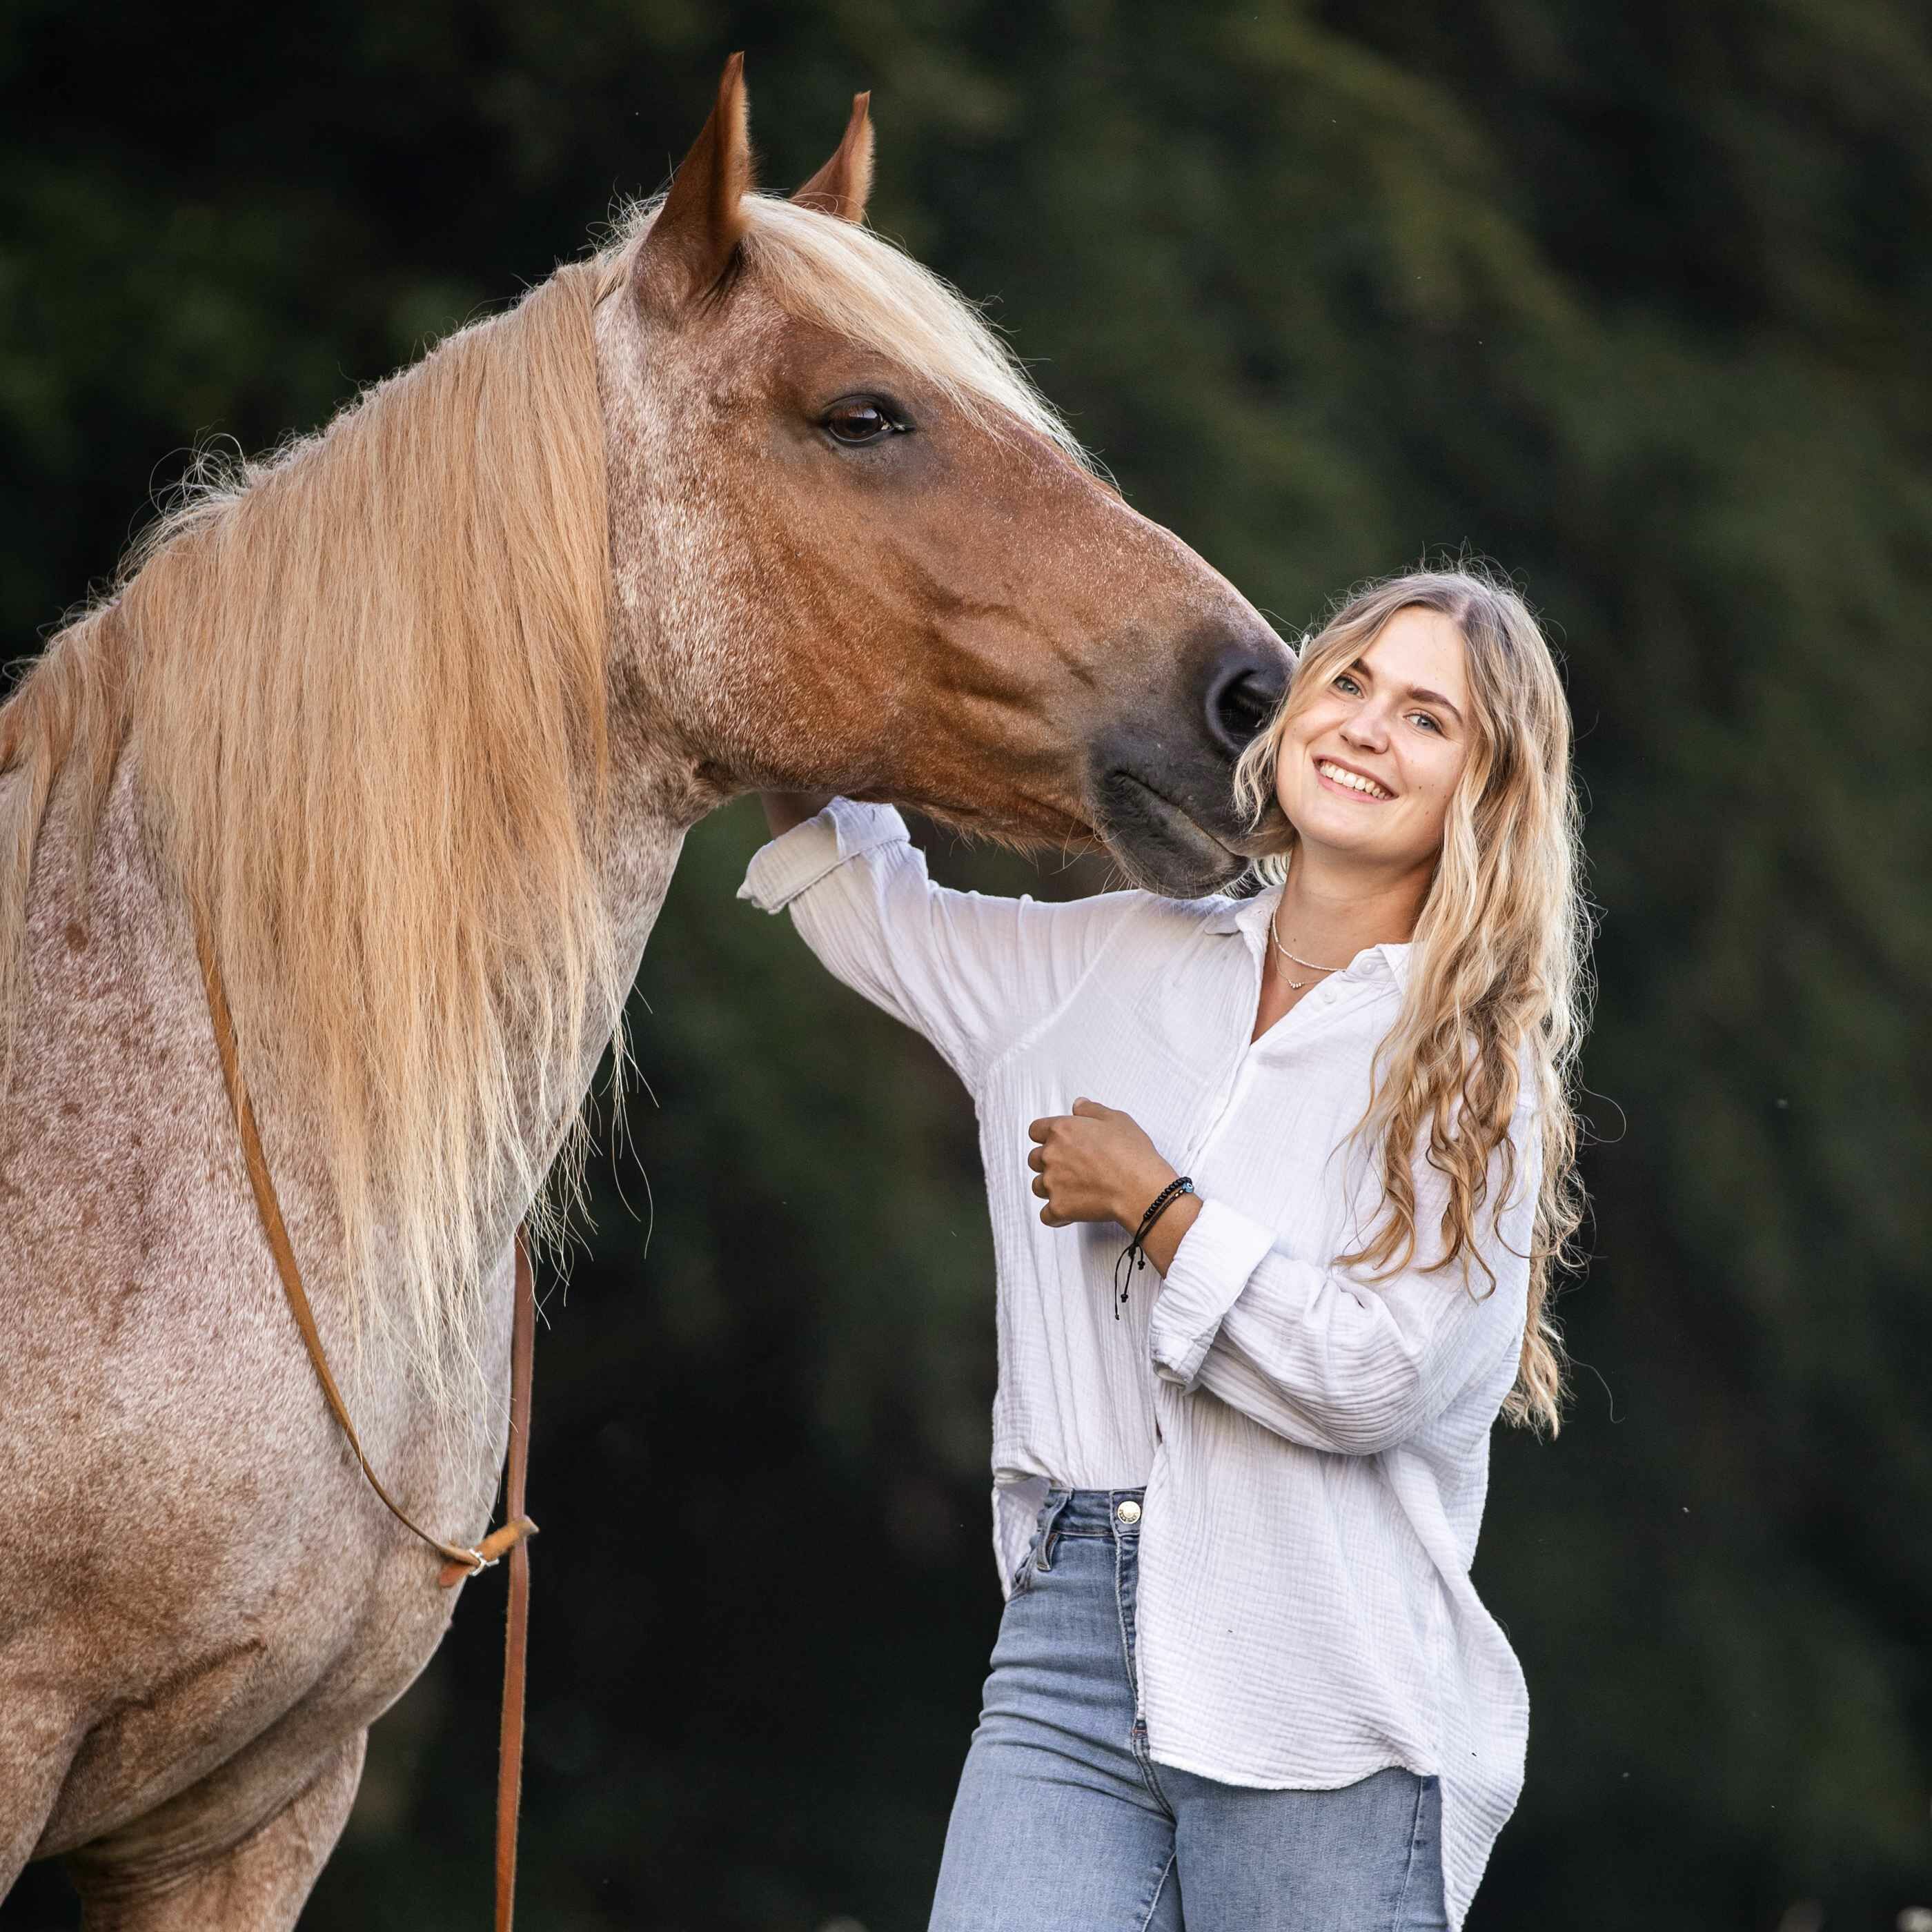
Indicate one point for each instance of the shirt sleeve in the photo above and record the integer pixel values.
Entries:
(1330, 1357)
(973, 974)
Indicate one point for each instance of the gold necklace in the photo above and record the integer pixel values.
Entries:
(1296, 984)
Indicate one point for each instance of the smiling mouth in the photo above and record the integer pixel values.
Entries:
(1353, 784)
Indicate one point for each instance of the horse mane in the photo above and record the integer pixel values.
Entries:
(364, 685)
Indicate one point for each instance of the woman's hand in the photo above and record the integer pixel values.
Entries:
(1094, 1164)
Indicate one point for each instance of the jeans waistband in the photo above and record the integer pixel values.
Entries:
(1093, 1512)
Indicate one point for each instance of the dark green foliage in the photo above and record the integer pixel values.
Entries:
(1633, 299)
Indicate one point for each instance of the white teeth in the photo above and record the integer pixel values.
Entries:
(1354, 781)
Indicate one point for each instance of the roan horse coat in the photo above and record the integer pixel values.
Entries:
(416, 717)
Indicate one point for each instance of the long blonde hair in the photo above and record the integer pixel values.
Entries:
(1498, 988)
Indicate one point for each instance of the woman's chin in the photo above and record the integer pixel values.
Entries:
(1344, 840)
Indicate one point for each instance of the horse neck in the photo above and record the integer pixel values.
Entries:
(646, 818)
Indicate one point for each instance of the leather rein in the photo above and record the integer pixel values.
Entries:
(459, 1560)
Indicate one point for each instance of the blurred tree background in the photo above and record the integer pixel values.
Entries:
(1634, 299)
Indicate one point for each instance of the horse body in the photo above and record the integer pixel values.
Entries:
(210, 1605)
(217, 1604)
(226, 1606)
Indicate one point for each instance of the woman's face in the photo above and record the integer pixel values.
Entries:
(1366, 773)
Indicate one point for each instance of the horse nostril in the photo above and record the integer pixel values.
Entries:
(1240, 701)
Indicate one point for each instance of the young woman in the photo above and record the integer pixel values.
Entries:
(1243, 1682)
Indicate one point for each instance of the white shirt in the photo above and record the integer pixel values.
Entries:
(1315, 1446)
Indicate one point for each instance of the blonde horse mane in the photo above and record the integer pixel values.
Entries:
(364, 685)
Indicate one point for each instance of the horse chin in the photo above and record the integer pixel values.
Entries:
(1160, 846)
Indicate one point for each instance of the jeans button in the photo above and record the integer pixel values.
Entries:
(1129, 1512)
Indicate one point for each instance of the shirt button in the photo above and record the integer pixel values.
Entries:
(1129, 1512)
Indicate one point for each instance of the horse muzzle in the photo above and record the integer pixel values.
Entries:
(1160, 787)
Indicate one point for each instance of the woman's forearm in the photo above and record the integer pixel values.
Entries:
(784, 809)
(1164, 1236)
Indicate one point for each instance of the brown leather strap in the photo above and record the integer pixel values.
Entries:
(517, 1619)
(459, 1560)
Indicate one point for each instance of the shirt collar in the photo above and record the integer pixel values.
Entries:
(1250, 917)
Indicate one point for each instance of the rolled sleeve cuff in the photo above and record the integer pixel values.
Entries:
(1211, 1266)
(796, 860)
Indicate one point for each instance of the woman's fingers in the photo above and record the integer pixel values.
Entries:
(1083, 1109)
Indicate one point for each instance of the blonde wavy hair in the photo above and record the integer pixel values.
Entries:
(1499, 986)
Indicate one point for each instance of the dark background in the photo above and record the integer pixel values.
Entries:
(1633, 299)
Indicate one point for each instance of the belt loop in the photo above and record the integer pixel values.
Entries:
(1042, 1541)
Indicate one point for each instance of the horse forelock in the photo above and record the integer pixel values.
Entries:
(364, 685)
(845, 278)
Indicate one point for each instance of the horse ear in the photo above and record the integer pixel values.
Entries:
(840, 188)
(691, 244)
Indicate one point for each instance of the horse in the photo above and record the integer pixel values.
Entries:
(409, 721)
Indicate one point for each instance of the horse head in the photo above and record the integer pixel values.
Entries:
(855, 549)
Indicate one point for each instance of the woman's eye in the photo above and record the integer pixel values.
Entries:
(1427, 723)
(860, 422)
(1344, 682)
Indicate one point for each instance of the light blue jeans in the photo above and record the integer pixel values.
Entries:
(1064, 1823)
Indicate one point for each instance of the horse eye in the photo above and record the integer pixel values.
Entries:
(858, 422)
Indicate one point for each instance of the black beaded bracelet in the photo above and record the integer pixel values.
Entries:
(1134, 1254)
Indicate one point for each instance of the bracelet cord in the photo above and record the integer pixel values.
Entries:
(1133, 1256)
